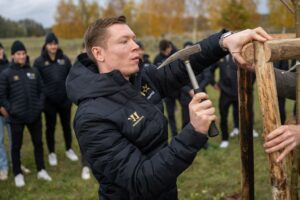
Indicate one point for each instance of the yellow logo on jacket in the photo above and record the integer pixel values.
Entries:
(16, 78)
(135, 118)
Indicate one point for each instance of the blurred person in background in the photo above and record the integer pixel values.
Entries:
(22, 101)
(53, 66)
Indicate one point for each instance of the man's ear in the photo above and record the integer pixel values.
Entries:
(98, 54)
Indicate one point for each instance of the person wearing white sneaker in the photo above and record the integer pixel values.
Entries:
(224, 144)
(27, 109)
(52, 159)
(85, 173)
(43, 175)
(71, 155)
(54, 66)
(234, 132)
(19, 180)
(255, 133)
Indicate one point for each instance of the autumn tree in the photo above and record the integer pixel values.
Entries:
(157, 17)
(280, 17)
(232, 14)
(72, 19)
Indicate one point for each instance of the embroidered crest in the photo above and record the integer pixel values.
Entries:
(61, 61)
(135, 118)
(30, 75)
(46, 63)
(16, 78)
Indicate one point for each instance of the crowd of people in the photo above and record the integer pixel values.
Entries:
(25, 93)
(119, 124)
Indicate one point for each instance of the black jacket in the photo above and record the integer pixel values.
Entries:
(123, 134)
(54, 74)
(3, 63)
(228, 76)
(21, 93)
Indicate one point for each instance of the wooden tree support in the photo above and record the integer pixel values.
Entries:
(270, 113)
(245, 95)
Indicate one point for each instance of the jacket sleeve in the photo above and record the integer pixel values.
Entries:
(169, 79)
(111, 155)
(4, 85)
(285, 83)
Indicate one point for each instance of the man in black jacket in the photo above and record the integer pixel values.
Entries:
(54, 67)
(166, 48)
(21, 100)
(119, 123)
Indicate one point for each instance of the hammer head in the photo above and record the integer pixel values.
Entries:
(183, 54)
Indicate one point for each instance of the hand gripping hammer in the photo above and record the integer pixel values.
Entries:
(184, 56)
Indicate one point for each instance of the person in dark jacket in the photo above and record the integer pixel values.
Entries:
(283, 65)
(22, 101)
(3, 158)
(119, 122)
(53, 66)
(166, 48)
(228, 86)
(143, 56)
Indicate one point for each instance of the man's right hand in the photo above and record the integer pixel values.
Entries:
(4, 112)
(202, 112)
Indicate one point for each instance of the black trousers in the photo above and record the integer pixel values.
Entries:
(64, 112)
(281, 104)
(170, 105)
(35, 130)
(185, 99)
(224, 103)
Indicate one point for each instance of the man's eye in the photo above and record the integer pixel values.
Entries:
(123, 41)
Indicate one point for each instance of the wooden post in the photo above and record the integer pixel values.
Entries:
(271, 119)
(245, 95)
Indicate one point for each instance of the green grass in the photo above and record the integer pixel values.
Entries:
(214, 172)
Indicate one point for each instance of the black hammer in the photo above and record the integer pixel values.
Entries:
(184, 55)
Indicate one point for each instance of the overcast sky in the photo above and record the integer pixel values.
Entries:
(43, 11)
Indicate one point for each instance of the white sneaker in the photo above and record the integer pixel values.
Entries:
(44, 175)
(52, 159)
(25, 170)
(255, 133)
(234, 132)
(3, 175)
(85, 174)
(71, 155)
(224, 144)
(19, 180)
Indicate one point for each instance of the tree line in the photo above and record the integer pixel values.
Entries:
(22, 28)
(156, 17)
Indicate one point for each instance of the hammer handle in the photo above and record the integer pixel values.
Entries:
(213, 130)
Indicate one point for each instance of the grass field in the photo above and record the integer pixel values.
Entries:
(214, 173)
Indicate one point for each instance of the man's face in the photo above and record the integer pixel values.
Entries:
(119, 52)
(52, 47)
(19, 57)
(167, 51)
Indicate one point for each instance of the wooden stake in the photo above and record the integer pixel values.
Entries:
(271, 119)
(245, 95)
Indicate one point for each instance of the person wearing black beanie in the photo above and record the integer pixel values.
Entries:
(54, 67)
(17, 46)
(51, 38)
(21, 101)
